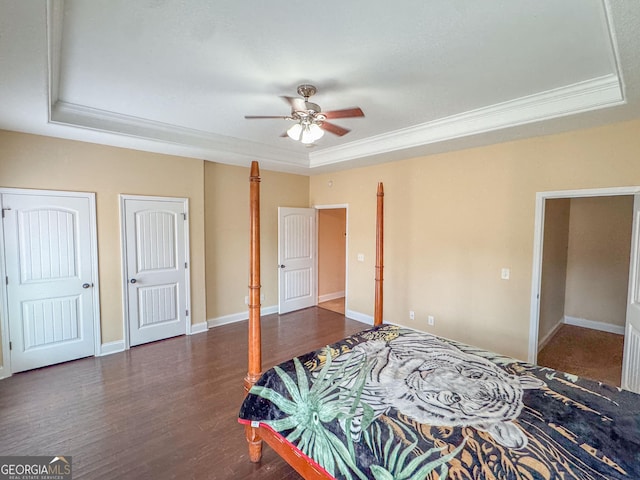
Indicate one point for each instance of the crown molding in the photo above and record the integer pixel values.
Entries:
(593, 94)
(205, 144)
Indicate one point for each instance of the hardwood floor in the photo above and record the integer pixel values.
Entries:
(335, 305)
(162, 410)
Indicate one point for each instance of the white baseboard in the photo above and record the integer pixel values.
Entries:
(239, 317)
(360, 317)
(542, 342)
(4, 373)
(330, 296)
(198, 328)
(111, 347)
(594, 325)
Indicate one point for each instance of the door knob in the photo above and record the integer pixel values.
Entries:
(281, 266)
(87, 285)
(133, 280)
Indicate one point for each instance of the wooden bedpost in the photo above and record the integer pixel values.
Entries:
(255, 354)
(377, 311)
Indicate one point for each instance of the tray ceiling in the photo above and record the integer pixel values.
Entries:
(178, 77)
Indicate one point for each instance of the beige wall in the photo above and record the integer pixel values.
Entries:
(227, 233)
(598, 260)
(331, 250)
(454, 220)
(31, 161)
(554, 265)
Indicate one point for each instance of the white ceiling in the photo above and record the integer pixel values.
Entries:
(430, 75)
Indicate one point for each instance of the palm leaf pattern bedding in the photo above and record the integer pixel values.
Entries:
(393, 403)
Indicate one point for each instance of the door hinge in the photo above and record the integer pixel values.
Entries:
(186, 265)
(5, 209)
(6, 280)
(10, 346)
(187, 313)
(184, 216)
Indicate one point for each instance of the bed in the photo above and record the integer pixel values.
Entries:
(395, 403)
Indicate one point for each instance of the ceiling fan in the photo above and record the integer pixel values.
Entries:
(310, 121)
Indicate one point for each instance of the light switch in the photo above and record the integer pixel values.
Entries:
(505, 273)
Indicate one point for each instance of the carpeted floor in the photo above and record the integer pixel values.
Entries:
(584, 352)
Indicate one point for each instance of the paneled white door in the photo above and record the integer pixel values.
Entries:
(631, 357)
(50, 266)
(155, 259)
(297, 278)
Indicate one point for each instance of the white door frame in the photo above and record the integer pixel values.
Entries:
(538, 240)
(123, 243)
(346, 247)
(5, 369)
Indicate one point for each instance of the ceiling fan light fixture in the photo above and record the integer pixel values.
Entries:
(295, 132)
(311, 133)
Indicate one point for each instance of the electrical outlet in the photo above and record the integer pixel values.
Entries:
(431, 320)
(246, 300)
(361, 257)
(505, 273)
(262, 297)
(412, 315)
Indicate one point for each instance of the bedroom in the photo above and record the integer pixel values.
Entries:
(454, 220)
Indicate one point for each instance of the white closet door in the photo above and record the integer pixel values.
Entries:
(49, 278)
(155, 259)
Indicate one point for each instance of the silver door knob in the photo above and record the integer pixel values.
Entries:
(87, 285)
(133, 280)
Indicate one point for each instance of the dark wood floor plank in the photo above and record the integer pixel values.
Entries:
(163, 410)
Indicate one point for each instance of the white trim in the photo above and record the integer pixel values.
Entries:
(123, 260)
(594, 325)
(544, 340)
(538, 237)
(4, 304)
(592, 94)
(359, 317)
(588, 95)
(199, 328)
(239, 317)
(110, 348)
(330, 296)
(95, 275)
(4, 373)
(210, 144)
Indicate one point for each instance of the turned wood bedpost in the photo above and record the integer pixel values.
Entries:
(255, 354)
(377, 311)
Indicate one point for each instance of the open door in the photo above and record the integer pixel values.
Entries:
(297, 276)
(631, 357)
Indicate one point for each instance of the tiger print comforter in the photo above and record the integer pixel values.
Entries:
(393, 403)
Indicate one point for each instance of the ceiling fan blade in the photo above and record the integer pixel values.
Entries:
(297, 103)
(346, 113)
(254, 117)
(335, 129)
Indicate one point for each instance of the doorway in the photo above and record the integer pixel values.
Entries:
(51, 310)
(332, 257)
(581, 278)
